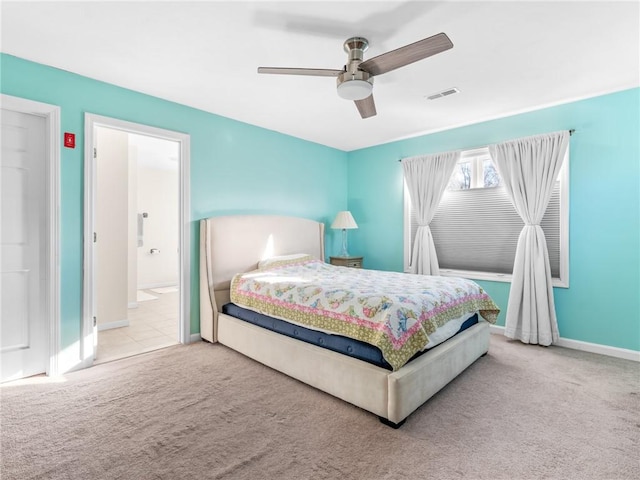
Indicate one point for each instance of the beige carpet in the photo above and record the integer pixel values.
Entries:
(206, 412)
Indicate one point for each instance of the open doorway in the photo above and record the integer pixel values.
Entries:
(136, 283)
(137, 226)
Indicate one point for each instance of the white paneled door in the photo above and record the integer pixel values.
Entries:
(23, 235)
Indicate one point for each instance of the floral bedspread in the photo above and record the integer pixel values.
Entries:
(396, 312)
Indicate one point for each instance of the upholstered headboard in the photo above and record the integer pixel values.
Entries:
(234, 244)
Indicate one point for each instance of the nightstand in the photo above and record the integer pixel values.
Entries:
(354, 262)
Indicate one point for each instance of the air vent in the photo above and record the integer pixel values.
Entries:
(444, 93)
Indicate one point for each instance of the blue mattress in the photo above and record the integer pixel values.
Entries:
(347, 346)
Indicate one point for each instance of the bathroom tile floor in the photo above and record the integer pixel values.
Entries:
(153, 325)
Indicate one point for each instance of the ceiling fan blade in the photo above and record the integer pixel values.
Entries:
(406, 55)
(316, 72)
(366, 106)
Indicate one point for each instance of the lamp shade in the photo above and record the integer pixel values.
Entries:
(344, 220)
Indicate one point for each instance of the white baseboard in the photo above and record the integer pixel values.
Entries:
(586, 346)
(147, 286)
(116, 324)
(195, 337)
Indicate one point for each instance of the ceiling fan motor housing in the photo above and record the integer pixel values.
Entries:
(353, 83)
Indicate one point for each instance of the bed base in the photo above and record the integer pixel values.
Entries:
(393, 396)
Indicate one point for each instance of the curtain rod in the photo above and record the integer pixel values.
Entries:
(571, 132)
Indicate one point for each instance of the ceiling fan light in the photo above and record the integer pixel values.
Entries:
(354, 89)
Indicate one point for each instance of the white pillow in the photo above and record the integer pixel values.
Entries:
(267, 262)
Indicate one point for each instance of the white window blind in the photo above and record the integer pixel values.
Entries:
(477, 230)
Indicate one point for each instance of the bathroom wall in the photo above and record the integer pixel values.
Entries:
(158, 197)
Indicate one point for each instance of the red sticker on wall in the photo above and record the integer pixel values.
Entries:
(69, 140)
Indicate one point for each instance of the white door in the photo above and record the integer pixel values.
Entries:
(23, 261)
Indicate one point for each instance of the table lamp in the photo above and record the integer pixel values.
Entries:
(344, 220)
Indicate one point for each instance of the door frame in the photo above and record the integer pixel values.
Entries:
(89, 278)
(51, 115)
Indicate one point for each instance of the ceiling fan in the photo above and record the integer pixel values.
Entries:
(355, 80)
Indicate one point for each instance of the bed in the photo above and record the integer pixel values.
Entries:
(230, 245)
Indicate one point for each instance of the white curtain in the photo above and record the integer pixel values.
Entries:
(529, 168)
(427, 177)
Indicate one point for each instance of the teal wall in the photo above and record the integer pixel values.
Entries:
(239, 168)
(602, 304)
(235, 167)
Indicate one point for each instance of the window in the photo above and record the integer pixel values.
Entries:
(476, 227)
(475, 169)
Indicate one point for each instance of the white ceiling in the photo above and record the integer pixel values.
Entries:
(508, 57)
